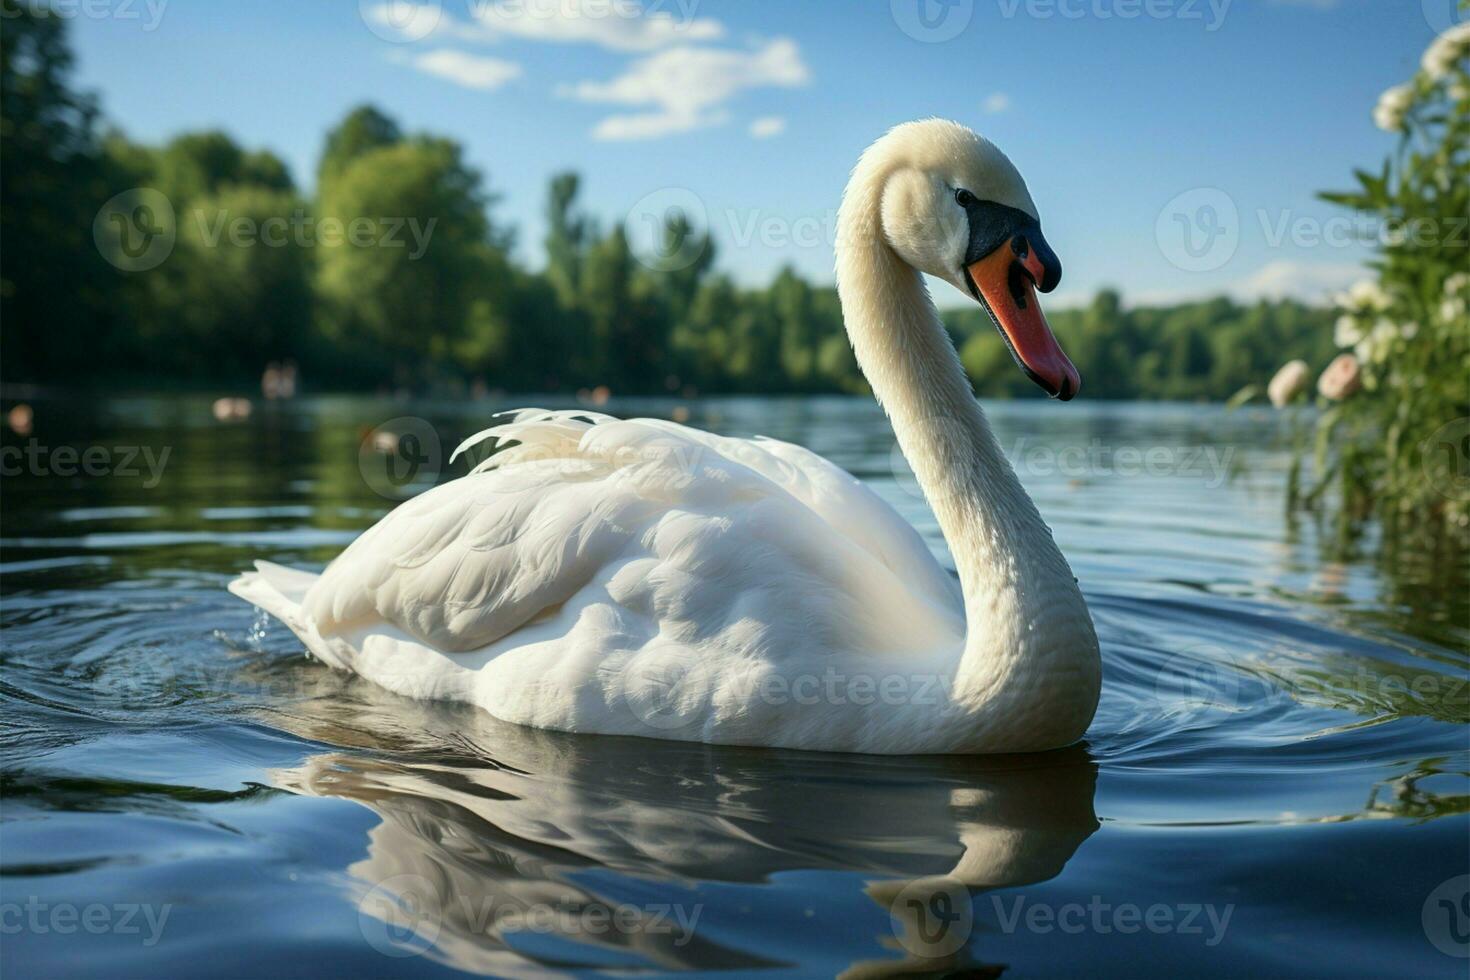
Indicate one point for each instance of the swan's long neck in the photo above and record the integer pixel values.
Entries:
(1024, 612)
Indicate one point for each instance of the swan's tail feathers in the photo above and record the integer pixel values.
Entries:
(280, 591)
(276, 589)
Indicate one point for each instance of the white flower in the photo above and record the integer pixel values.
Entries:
(1440, 57)
(1365, 296)
(1289, 382)
(1374, 348)
(1457, 284)
(1347, 332)
(1409, 330)
(1443, 52)
(1392, 106)
(1452, 309)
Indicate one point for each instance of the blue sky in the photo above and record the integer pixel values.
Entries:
(1134, 121)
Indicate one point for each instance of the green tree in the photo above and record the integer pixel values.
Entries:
(365, 129)
(54, 286)
(236, 291)
(566, 238)
(197, 164)
(398, 300)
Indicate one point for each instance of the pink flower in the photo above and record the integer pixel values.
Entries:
(1342, 378)
(1289, 382)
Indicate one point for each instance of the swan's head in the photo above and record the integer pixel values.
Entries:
(955, 207)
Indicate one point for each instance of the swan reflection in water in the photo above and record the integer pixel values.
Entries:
(508, 850)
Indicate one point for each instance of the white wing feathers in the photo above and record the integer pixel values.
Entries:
(662, 521)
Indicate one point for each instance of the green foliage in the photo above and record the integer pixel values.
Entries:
(365, 129)
(1188, 352)
(53, 320)
(401, 255)
(196, 164)
(1397, 446)
(395, 274)
(235, 302)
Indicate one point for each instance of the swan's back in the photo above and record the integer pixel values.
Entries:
(579, 577)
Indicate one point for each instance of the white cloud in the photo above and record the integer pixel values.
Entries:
(467, 70)
(1307, 282)
(767, 126)
(683, 88)
(618, 25)
(996, 103)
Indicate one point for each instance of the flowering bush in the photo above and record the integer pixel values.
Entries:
(1394, 434)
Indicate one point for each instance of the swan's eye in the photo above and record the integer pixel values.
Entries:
(964, 198)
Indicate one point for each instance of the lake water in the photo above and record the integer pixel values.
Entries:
(1276, 782)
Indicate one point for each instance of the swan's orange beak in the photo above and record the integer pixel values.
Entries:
(1005, 283)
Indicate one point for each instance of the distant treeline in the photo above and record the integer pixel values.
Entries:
(395, 273)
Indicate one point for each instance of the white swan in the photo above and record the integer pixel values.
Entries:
(642, 578)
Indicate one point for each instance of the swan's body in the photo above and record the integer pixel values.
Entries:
(642, 578)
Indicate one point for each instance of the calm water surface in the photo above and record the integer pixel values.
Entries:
(1276, 782)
